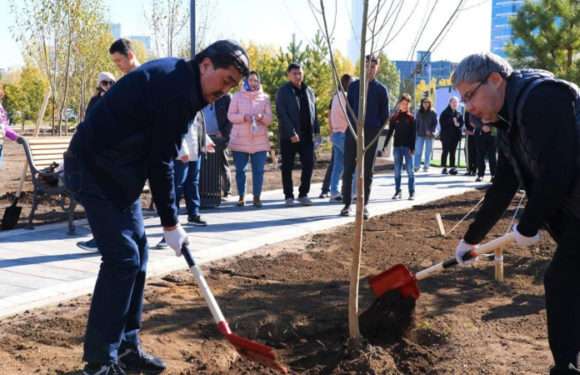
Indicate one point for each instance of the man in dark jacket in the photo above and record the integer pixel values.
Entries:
(451, 122)
(538, 122)
(377, 113)
(470, 145)
(298, 128)
(133, 134)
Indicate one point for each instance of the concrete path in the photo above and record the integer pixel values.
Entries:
(44, 266)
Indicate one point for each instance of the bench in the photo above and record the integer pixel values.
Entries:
(41, 152)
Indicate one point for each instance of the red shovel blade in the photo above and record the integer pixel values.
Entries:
(252, 350)
(395, 278)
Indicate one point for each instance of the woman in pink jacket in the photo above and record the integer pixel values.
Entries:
(250, 113)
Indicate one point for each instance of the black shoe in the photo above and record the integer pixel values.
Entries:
(90, 245)
(100, 369)
(196, 220)
(453, 171)
(345, 211)
(444, 171)
(478, 179)
(411, 196)
(366, 214)
(397, 195)
(161, 244)
(323, 195)
(132, 360)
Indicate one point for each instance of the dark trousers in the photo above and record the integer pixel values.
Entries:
(117, 303)
(562, 286)
(224, 167)
(350, 165)
(327, 175)
(449, 145)
(471, 153)
(288, 151)
(486, 148)
(186, 176)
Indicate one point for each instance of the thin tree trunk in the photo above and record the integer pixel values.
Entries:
(41, 112)
(353, 326)
(66, 77)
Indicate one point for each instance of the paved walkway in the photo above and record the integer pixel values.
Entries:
(44, 266)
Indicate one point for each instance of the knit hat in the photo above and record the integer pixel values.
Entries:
(105, 76)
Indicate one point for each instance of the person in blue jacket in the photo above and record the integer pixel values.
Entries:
(133, 134)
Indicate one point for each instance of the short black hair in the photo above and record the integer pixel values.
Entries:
(224, 54)
(345, 81)
(372, 58)
(292, 66)
(122, 46)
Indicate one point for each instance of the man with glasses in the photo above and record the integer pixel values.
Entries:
(537, 118)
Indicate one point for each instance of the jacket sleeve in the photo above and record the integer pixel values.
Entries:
(165, 134)
(224, 123)
(267, 119)
(284, 122)
(497, 200)
(384, 107)
(234, 114)
(433, 124)
(316, 128)
(551, 129)
(413, 134)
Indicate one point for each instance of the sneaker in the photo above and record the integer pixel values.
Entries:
(453, 171)
(323, 195)
(138, 361)
(416, 170)
(478, 179)
(90, 245)
(162, 244)
(345, 211)
(444, 171)
(411, 196)
(397, 195)
(366, 214)
(241, 202)
(100, 369)
(289, 202)
(196, 220)
(305, 201)
(257, 202)
(335, 198)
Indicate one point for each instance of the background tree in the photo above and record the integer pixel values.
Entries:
(546, 35)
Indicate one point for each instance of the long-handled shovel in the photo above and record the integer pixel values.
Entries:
(252, 350)
(391, 316)
(400, 278)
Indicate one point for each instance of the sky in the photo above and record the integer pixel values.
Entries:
(273, 22)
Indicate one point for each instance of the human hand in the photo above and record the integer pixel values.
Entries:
(462, 249)
(175, 238)
(295, 139)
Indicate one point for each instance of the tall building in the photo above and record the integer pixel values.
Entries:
(423, 69)
(501, 30)
(146, 40)
(115, 30)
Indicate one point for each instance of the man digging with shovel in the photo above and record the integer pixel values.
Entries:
(131, 135)
(538, 122)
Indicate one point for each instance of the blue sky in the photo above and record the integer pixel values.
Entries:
(274, 21)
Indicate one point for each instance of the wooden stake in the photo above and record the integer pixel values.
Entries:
(440, 223)
(499, 265)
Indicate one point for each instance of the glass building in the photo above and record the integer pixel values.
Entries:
(501, 30)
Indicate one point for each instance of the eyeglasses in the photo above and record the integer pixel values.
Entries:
(468, 96)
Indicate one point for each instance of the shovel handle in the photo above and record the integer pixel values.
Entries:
(485, 248)
(214, 308)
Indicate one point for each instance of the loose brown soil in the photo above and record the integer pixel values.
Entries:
(293, 296)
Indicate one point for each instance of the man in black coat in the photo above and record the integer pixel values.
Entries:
(538, 121)
(133, 134)
(298, 128)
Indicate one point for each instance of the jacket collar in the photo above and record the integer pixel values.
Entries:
(197, 100)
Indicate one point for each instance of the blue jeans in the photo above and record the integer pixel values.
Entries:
(400, 154)
(419, 142)
(258, 160)
(186, 177)
(337, 162)
(117, 303)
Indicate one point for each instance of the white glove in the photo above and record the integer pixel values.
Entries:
(462, 249)
(525, 241)
(175, 239)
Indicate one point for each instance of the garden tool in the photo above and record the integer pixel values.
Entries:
(252, 350)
